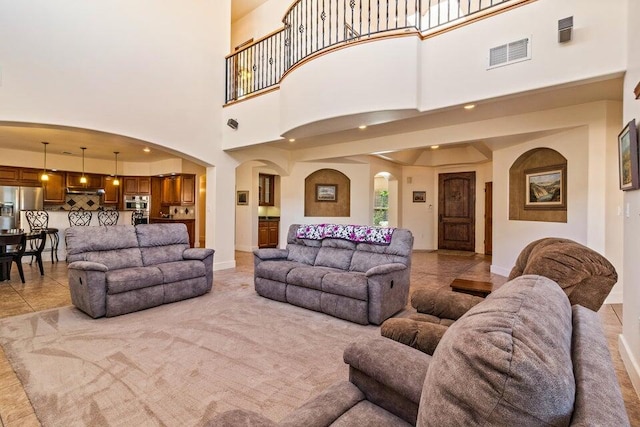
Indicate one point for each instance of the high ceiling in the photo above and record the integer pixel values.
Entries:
(240, 8)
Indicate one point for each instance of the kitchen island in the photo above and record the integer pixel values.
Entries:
(189, 222)
(60, 219)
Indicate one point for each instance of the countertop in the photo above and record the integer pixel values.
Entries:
(269, 218)
(157, 218)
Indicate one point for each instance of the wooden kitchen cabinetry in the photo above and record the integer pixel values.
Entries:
(10, 175)
(179, 190)
(190, 223)
(93, 181)
(55, 188)
(268, 231)
(136, 185)
(111, 192)
(266, 187)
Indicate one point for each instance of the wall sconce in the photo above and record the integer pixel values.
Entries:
(83, 179)
(116, 181)
(44, 176)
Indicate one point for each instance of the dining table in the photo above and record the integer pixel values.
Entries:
(11, 237)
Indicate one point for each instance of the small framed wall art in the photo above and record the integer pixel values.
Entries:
(326, 193)
(419, 197)
(546, 187)
(242, 198)
(628, 157)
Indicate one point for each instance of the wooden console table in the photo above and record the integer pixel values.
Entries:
(473, 287)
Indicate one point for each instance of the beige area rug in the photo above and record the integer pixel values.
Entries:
(178, 364)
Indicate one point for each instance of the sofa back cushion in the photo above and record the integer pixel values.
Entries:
(335, 253)
(301, 250)
(160, 243)
(115, 246)
(369, 255)
(507, 361)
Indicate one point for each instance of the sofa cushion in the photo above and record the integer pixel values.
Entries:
(363, 260)
(82, 240)
(116, 259)
(334, 257)
(506, 361)
(308, 277)
(181, 270)
(128, 279)
(348, 284)
(302, 253)
(160, 243)
(366, 413)
(276, 270)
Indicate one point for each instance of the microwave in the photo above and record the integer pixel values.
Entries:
(137, 203)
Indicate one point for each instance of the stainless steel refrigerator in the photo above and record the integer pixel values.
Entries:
(15, 199)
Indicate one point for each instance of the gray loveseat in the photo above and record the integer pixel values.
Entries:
(121, 269)
(522, 357)
(359, 281)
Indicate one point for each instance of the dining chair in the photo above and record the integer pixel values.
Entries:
(39, 220)
(15, 246)
(9, 240)
(137, 217)
(108, 217)
(79, 217)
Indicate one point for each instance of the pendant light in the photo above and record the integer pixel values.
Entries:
(116, 181)
(83, 179)
(44, 176)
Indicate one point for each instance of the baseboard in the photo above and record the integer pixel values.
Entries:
(499, 270)
(244, 248)
(614, 298)
(224, 265)
(630, 364)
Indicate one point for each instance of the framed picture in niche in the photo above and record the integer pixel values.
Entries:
(419, 197)
(546, 187)
(326, 193)
(242, 198)
(628, 157)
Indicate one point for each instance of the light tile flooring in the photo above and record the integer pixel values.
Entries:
(428, 270)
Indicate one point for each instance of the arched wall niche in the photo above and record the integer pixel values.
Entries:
(326, 206)
(535, 161)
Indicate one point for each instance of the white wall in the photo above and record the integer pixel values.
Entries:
(147, 70)
(263, 20)
(629, 342)
(419, 217)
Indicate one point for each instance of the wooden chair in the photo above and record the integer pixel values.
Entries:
(17, 247)
(79, 218)
(108, 217)
(39, 220)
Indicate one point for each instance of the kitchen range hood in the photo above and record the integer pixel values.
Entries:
(85, 191)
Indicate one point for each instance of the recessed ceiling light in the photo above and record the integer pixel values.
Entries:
(435, 147)
(146, 149)
(470, 106)
(292, 140)
(362, 127)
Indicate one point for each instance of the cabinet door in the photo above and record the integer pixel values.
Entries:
(265, 189)
(93, 181)
(9, 175)
(129, 185)
(30, 177)
(144, 185)
(111, 192)
(167, 191)
(176, 190)
(54, 188)
(188, 190)
(273, 233)
(263, 234)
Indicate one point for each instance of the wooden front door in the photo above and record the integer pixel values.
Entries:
(456, 211)
(488, 218)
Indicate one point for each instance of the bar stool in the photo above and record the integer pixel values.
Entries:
(108, 217)
(79, 218)
(39, 221)
(137, 218)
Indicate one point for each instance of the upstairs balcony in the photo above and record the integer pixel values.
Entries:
(313, 27)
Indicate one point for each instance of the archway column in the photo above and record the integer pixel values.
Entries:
(220, 213)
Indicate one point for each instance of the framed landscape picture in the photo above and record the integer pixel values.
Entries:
(628, 157)
(546, 188)
(326, 193)
(242, 198)
(419, 197)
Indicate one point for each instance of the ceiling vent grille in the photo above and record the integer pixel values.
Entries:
(519, 50)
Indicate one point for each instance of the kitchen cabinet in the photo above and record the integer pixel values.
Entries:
(268, 231)
(9, 175)
(111, 192)
(136, 185)
(30, 177)
(93, 181)
(179, 190)
(266, 187)
(55, 188)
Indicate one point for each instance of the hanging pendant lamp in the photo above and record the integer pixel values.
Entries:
(83, 179)
(44, 176)
(116, 181)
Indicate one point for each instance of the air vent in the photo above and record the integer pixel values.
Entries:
(519, 50)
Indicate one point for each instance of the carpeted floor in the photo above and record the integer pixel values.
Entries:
(177, 364)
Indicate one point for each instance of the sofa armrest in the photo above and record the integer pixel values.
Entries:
(87, 266)
(385, 268)
(443, 302)
(423, 336)
(394, 365)
(271, 253)
(239, 418)
(197, 253)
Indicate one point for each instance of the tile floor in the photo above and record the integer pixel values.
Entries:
(428, 269)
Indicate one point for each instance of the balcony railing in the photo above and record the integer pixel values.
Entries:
(311, 26)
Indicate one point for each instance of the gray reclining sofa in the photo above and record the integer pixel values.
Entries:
(120, 269)
(522, 357)
(360, 274)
